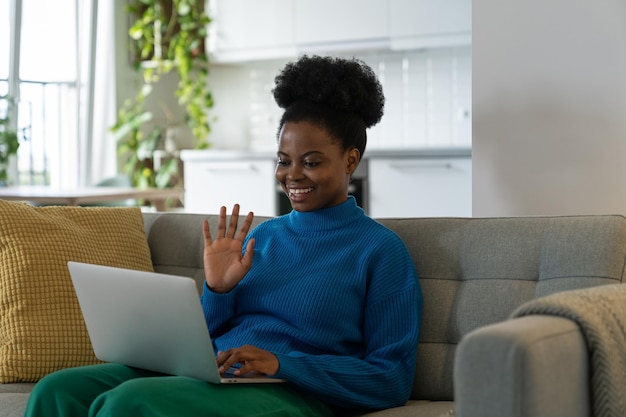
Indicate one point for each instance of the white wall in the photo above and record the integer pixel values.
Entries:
(549, 107)
(237, 98)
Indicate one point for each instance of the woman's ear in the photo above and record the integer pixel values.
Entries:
(353, 158)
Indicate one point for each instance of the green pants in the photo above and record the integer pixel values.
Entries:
(113, 390)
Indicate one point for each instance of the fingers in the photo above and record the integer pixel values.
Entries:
(223, 231)
(246, 261)
(221, 224)
(226, 360)
(245, 227)
(206, 232)
(234, 220)
(250, 359)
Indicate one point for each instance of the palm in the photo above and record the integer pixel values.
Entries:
(224, 264)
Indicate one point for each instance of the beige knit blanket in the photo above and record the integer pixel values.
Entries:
(600, 312)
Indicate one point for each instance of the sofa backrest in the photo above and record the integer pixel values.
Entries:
(176, 243)
(473, 272)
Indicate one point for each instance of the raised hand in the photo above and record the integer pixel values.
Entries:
(224, 264)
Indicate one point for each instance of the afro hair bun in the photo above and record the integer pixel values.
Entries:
(345, 85)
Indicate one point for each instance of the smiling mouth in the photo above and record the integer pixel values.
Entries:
(300, 191)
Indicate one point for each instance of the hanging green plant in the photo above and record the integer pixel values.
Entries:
(166, 36)
(9, 141)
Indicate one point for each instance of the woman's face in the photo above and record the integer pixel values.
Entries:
(312, 169)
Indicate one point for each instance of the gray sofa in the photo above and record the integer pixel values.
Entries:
(474, 273)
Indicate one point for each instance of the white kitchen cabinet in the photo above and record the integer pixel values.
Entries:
(420, 187)
(210, 184)
(429, 23)
(250, 29)
(323, 22)
(418, 183)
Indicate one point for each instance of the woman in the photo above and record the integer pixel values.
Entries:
(324, 297)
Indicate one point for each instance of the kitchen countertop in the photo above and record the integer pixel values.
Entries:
(226, 155)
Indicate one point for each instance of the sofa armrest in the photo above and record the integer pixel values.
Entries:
(534, 366)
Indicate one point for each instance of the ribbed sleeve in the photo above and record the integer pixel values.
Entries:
(335, 296)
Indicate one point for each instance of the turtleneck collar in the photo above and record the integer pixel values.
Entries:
(326, 219)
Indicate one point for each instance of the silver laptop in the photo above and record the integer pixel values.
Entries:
(148, 320)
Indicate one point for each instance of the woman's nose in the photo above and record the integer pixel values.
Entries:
(294, 172)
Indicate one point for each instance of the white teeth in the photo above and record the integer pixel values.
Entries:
(300, 190)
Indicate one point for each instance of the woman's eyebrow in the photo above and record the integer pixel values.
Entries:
(279, 153)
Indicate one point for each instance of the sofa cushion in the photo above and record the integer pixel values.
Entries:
(41, 326)
(13, 404)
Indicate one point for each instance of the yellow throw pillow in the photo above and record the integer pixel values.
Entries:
(41, 325)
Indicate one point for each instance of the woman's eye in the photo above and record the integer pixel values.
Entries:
(282, 163)
(311, 164)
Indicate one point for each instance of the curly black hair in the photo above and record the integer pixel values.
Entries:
(341, 95)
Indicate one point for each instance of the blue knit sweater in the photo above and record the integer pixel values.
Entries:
(335, 296)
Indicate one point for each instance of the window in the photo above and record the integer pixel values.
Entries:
(4, 47)
(47, 63)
